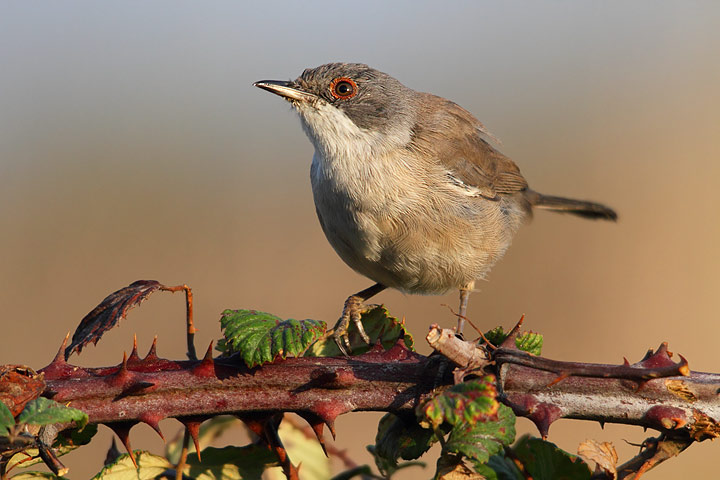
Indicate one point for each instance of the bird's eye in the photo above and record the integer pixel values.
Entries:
(343, 88)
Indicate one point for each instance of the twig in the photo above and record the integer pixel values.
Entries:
(183, 455)
(191, 330)
(657, 450)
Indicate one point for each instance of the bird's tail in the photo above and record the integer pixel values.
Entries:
(580, 208)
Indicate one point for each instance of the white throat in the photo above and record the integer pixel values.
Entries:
(335, 135)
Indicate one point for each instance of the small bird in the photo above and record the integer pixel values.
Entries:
(408, 191)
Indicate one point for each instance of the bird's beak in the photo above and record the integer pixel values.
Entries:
(287, 90)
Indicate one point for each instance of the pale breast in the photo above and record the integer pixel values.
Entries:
(389, 222)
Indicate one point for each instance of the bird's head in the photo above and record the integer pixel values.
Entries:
(341, 104)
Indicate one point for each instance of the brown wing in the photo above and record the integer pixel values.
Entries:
(450, 134)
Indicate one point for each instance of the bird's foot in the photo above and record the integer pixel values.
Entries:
(353, 310)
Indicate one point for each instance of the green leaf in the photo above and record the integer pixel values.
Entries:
(43, 411)
(399, 438)
(149, 467)
(302, 450)
(231, 463)
(6, 420)
(545, 461)
(504, 468)
(486, 472)
(261, 337)
(69, 440)
(379, 326)
(36, 476)
(463, 404)
(530, 342)
(480, 441)
(496, 336)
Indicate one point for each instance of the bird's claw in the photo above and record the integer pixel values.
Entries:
(352, 310)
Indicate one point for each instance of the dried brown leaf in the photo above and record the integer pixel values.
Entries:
(457, 471)
(602, 454)
(109, 312)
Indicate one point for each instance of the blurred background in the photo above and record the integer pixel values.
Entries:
(132, 146)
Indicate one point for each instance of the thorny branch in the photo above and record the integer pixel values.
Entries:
(654, 393)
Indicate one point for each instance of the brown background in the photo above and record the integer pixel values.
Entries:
(132, 146)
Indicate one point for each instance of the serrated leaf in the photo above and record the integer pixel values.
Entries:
(261, 337)
(399, 438)
(480, 441)
(221, 345)
(43, 411)
(231, 463)
(530, 342)
(379, 326)
(463, 404)
(109, 312)
(149, 466)
(302, 450)
(603, 454)
(545, 461)
(36, 476)
(496, 336)
(6, 420)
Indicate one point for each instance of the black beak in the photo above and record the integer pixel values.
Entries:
(287, 90)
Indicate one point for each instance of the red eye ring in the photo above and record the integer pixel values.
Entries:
(343, 88)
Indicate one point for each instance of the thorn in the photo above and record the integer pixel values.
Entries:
(648, 354)
(154, 421)
(152, 353)
(683, 368)
(667, 418)
(331, 426)
(328, 412)
(61, 356)
(123, 366)
(660, 358)
(193, 429)
(206, 368)
(543, 415)
(602, 424)
(112, 454)
(255, 426)
(136, 388)
(59, 367)
(317, 424)
(509, 341)
(134, 357)
(625, 362)
(123, 377)
(122, 430)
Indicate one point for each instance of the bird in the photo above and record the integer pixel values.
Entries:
(407, 187)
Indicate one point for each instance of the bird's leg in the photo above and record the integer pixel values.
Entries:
(464, 296)
(352, 310)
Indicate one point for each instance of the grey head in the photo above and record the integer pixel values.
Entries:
(347, 102)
